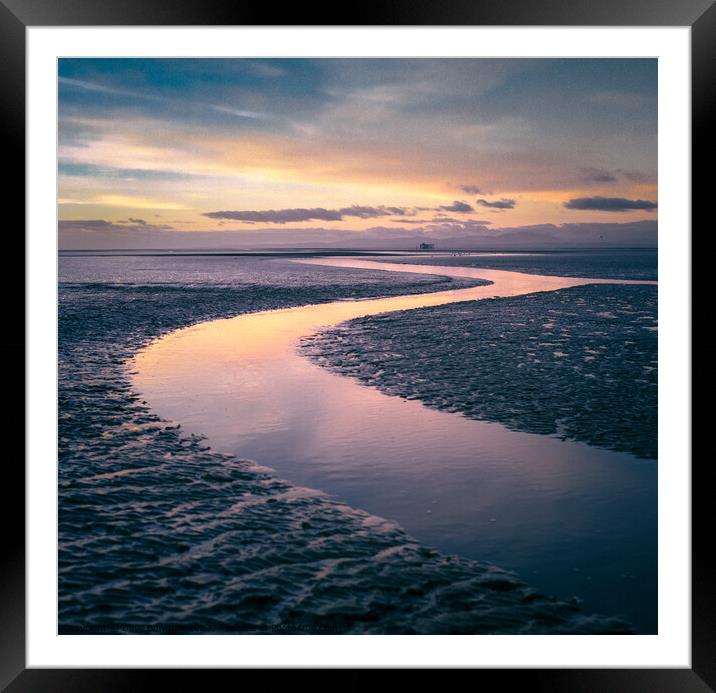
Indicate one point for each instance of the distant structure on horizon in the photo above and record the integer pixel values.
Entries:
(426, 246)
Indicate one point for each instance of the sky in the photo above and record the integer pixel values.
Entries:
(170, 152)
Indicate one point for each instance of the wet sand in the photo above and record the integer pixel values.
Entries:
(552, 510)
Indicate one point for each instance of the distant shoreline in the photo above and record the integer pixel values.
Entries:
(321, 252)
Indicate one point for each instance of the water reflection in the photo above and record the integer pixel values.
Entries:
(570, 518)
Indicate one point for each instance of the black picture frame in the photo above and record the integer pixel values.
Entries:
(17, 15)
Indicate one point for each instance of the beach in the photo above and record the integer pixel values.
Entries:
(390, 456)
(214, 542)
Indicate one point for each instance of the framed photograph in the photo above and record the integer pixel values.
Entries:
(340, 335)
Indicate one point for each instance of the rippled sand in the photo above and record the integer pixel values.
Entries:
(157, 533)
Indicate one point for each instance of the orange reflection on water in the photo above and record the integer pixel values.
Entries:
(223, 374)
(271, 334)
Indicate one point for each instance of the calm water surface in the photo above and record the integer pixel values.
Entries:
(571, 519)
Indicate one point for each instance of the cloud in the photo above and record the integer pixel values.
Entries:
(298, 214)
(284, 216)
(471, 189)
(636, 176)
(251, 115)
(609, 204)
(278, 216)
(457, 206)
(598, 175)
(85, 226)
(443, 219)
(266, 69)
(504, 203)
(452, 220)
(92, 86)
(390, 124)
(371, 212)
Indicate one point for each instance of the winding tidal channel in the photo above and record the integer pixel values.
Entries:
(569, 518)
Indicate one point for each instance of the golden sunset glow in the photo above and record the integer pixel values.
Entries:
(453, 148)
